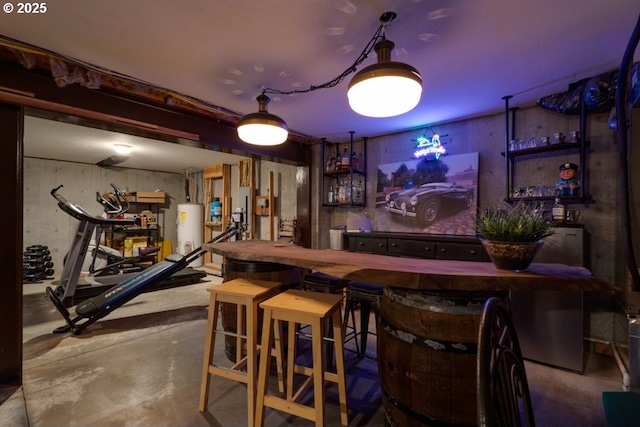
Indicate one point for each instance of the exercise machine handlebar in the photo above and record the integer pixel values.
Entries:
(114, 205)
(81, 214)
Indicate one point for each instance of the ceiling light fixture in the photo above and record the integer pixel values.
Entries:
(122, 148)
(384, 89)
(262, 128)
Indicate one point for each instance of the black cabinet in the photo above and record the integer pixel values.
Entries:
(459, 251)
(411, 248)
(411, 245)
(514, 155)
(371, 244)
(344, 177)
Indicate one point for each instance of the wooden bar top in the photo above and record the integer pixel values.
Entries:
(413, 273)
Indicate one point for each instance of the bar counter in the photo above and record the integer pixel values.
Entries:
(413, 273)
(428, 320)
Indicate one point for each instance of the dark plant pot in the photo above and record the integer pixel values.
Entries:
(512, 256)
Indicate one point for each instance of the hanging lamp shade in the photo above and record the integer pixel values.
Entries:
(385, 89)
(262, 128)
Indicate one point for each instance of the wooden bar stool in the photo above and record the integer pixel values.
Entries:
(246, 294)
(307, 308)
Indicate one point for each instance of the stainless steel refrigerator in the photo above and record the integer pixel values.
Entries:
(550, 323)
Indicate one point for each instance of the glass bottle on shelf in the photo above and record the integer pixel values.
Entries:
(355, 162)
(359, 192)
(340, 198)
(345, 159)
(347, 192)
(558, 212)
(532, 141)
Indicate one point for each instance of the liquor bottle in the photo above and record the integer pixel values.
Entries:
(359, 192)
(355, 162)
(345, 159)
(347, 192)
(332, 195)
(558, 212)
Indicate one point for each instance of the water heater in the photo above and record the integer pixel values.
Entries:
(190, 229)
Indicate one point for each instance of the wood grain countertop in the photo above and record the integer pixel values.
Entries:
(413, 273)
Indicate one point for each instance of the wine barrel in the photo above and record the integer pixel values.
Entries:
(238, 269)
(427, 349)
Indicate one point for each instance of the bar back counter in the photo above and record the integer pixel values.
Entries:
(412, 245)
(429, 316)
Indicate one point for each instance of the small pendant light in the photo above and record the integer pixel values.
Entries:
(262, 128)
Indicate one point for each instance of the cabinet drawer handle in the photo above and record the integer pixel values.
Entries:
(443, 250)
(361, 243)
(427, 249)
(380, 245)
(394, 245)
(472, 252)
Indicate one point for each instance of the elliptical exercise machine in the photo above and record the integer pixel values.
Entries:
(72, 288)
(99, 306)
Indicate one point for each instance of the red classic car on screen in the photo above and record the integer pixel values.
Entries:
(427, 202)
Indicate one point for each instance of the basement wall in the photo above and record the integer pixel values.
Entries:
(485, 135)
(46, 224)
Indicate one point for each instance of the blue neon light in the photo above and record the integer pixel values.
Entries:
(428, 147)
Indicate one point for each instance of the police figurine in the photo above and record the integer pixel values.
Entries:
(569, 183)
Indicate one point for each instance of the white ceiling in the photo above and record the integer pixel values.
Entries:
(470, 53)
(49, 139)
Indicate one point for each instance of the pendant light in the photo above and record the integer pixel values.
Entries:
(262, 128)
(384, 89)
(387, 88)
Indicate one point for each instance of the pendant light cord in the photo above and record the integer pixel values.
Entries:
(377, 36)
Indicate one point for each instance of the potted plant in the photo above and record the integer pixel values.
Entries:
(512, 235)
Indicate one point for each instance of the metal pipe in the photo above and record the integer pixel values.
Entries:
(506, 144)
(626, 378)
(622, 93)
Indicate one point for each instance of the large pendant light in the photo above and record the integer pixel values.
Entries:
(262, 128)
(387, 88)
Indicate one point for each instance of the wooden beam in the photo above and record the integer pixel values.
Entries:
(129, 113)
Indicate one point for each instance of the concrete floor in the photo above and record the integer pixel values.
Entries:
(141, 366)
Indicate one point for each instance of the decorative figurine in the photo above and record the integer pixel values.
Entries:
(569, 182)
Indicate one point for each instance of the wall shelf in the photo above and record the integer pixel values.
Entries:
(513, 156)
(545, 149)
(344, 185)
(150, 232)
(217, 184)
